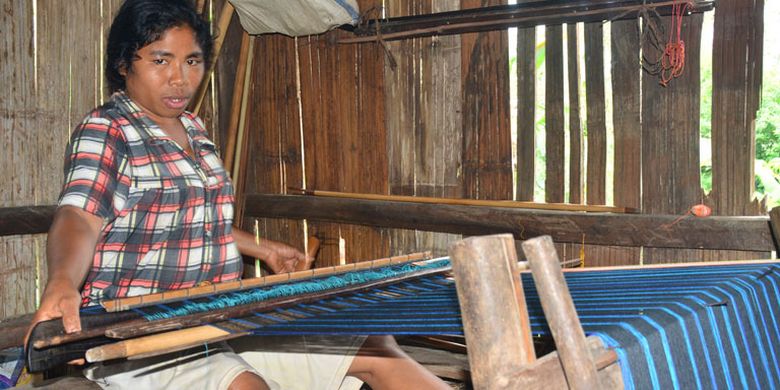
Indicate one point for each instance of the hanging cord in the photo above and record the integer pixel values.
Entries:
(375, 13)
(673, 60)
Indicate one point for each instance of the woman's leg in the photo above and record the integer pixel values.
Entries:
(383, 365)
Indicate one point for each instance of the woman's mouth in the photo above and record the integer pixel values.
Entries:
(176, 103)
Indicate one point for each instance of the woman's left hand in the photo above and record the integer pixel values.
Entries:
(282, 257)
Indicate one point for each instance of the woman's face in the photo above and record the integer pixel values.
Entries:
(165, 74)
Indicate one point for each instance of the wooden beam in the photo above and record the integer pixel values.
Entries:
(736, 233)
(560, 313)
(528, 14)
(26, 219)
(493, 308)
(774, 218)
(547, 372)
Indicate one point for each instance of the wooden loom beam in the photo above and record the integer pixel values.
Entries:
(493, 308)
(495, 320)
(660, 231)
(49, 342)
(560, 313)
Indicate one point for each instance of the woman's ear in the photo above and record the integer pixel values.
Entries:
(122, 69)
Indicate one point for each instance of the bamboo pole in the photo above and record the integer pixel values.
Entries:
(239, 160)
(467, 202)
(159, 344)
(236, 102)
(502, 17)
(560, 314)
(222, 26)
(493, 308)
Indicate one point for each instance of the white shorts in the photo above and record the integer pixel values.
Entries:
(301, 362)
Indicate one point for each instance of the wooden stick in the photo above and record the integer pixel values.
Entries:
(547, 372)
(223, 24)
(159, 344)
(468, 202)
(774, 225)
(240, 157)
(312, 247)
(492, 305)
(235, 102)
(123, 304)
(560, 313)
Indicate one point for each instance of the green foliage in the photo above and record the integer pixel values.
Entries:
(767, 165)
(705, 121)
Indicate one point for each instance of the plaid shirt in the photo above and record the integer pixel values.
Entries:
(167, 216)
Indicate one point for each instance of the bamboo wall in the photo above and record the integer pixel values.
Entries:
(439, 124)
(51, 75)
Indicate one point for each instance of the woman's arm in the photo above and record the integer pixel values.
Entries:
(69, 250)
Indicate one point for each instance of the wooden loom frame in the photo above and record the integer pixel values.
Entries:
(496, 324)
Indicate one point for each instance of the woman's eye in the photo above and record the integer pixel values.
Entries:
(159, 61)
(193, 62)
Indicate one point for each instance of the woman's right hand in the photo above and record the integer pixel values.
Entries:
(60, 300)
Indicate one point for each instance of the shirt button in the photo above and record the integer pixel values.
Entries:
(208, 233)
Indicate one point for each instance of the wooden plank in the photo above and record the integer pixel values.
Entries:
(596, 114)
(19, 121)
(736, 66)
(774, 217)
(627, 129)
(560, 314)
(575, 130)
(526, 106)
(224, 78)
(402, 104)
(626, 112)
(493, 308)
(273, 131)
(440, 144)
(423, 121)
(321, 136)
(339, 150)
(487, 153)
(365, 136)
(553, 112)
(738, 233)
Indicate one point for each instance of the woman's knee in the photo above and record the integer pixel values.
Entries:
(384, 346)
(248, 381)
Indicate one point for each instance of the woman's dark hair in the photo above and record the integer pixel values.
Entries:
(141, 22)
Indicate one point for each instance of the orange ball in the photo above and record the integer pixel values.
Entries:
(701, 210)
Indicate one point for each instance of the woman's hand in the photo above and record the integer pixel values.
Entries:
(277, 256)
(59, 300)
(282, 257)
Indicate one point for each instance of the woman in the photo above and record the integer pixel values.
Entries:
(147, 206)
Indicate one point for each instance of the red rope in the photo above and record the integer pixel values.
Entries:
(673, 59)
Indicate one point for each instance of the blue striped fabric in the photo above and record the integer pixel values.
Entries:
(683, 327)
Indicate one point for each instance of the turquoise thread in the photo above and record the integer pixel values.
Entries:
(294, 288)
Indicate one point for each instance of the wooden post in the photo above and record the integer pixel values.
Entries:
(495, 318)
(774, 225)
(559, 310)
